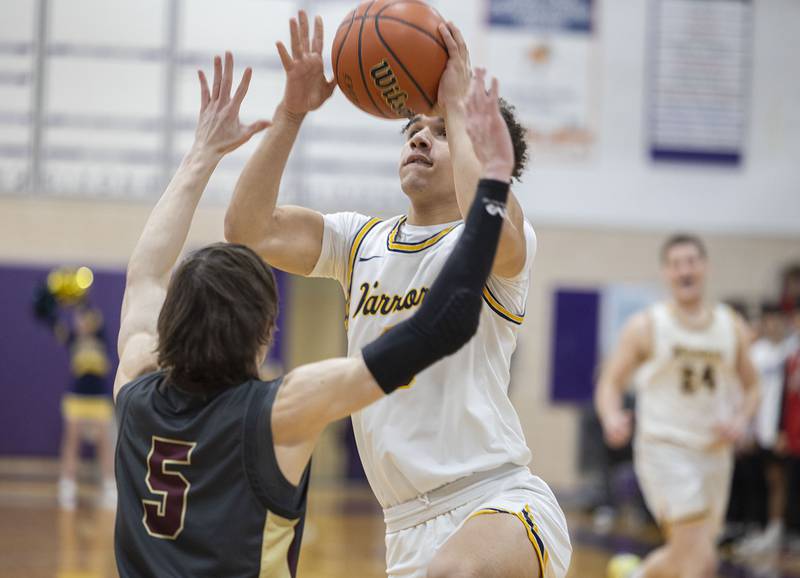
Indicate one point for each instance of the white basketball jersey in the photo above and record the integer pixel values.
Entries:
(455, 418)
(769, 360)
(690, 382)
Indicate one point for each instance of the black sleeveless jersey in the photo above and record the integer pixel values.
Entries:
(200, 492)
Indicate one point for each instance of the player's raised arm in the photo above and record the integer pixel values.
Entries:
(159, 246)
(632, 350)
(447, 319)
(289, 238)
(511, 252)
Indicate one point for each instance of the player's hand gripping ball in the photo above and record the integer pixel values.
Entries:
(388, 57)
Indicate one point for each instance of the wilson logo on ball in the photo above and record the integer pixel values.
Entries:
(386, 82)
(348, 88)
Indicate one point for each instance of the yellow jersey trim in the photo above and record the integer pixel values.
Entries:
(498, 308)
(526, 517)
(399, 247)
(358, 240)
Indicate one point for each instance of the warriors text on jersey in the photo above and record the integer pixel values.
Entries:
(200, 490)
(454, 419)
(689, 384)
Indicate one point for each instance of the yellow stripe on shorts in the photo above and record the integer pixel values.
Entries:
(526, 517)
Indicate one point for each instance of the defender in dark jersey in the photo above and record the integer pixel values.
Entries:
(212, 463)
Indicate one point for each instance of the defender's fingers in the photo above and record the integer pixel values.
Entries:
(241, 91)
(295, 39)
(257, 127)
(227, 78)
(217, 78)
(205, 95)
(304, 43)
(319, 32)
(286, 60)
(494, 92)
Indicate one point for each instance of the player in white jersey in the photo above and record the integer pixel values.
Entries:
(436, 460)
(696, 392)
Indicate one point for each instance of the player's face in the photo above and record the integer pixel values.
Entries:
(425, 167)
(773, 325)
(86, 322)
(684, 271)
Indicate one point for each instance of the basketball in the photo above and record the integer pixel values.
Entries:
(388, 57)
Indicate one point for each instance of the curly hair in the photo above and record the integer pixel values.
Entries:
(518, 139)
(515, 129)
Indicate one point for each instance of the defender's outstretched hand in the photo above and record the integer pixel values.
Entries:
(155, 254)
(218, 127)
(306, 86)
(487, 130)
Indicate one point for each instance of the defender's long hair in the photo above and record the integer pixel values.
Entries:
(220, 310)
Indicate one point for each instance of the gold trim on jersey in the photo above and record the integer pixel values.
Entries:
(275, 543)
(526, 517)
(358, 240)
(498, 308)
(398, 246)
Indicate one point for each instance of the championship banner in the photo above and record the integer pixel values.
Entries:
(543, 53)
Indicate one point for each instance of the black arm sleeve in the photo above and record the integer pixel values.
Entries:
(449, 315)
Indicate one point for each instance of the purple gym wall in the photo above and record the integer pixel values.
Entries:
(34, 367)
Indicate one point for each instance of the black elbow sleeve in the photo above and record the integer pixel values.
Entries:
(450, 314)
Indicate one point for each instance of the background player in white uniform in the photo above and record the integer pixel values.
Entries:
(435, 460)
(693, 365)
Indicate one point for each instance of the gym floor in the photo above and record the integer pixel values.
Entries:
(344, 535)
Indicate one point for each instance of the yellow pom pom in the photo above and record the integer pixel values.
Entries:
(84, 278)
(623, 565)
(70, 285)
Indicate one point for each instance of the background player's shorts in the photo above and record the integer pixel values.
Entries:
(682, 484)
(76, 407)
(409, 551)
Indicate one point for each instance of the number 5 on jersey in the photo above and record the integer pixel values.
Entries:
(163, 518)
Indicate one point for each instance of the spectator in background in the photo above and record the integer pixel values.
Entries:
(769, 354)
(790, 285)
(789, 439)
(747, 506)
(86, 407)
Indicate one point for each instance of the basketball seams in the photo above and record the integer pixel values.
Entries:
(419, 29)
(403, 66)
(361, 63)
(341, 46)
(438, 41)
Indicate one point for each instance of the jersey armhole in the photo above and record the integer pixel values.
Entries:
(258, 434)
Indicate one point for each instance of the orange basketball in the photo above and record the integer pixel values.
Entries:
(388, 57)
